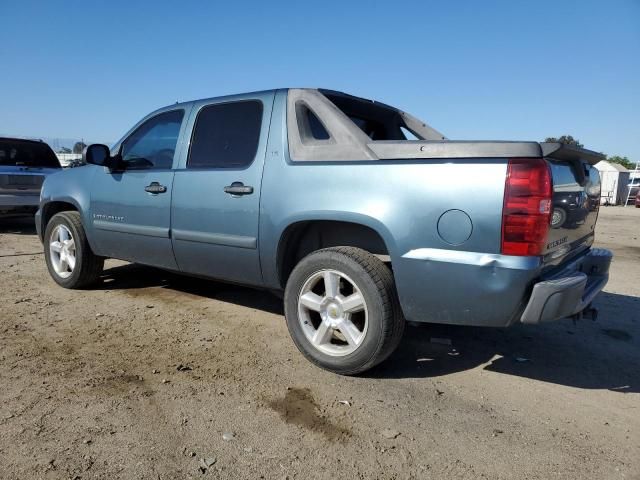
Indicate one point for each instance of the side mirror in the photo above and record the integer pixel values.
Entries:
(97, 154)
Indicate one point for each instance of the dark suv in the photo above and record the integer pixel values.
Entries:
(24, 164)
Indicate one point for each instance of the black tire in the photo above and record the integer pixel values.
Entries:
(561, 217)
(375, 282)
(88, 266)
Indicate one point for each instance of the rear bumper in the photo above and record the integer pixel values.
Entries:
(11, 202)
(569, 291)
(464, 288)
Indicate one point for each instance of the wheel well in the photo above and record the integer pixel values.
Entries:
(51, 208)
(302, 238)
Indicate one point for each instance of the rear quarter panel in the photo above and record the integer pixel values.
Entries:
(403, 201)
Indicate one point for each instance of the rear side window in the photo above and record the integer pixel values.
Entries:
(309, 125)
(226, 135)
(20, 153)
(317, 129)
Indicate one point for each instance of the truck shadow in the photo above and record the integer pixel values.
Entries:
(131, 277)
(593, 355)
(18, 225)
(604, 354)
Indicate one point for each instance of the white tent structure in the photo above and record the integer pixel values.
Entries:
(614, 179)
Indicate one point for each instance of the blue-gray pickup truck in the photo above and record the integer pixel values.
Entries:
(362, 215)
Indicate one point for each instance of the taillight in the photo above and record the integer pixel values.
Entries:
(526, 212)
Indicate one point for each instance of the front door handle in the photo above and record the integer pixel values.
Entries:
(238, 189)
(155, 188)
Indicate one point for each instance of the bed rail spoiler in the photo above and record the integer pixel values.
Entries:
(562, 151)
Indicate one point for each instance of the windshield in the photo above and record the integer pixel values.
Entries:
(22, 153)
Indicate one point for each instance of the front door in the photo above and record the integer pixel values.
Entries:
(216, 193)
(131, 207)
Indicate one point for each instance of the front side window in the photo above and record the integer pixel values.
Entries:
(226, 135)
(153, 144)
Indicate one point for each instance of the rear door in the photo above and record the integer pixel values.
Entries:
(131, 207)
(216, 193)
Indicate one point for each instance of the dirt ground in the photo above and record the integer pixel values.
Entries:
(142, 376)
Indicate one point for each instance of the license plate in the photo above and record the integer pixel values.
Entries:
(24, 180)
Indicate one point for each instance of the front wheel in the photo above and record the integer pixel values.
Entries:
(342, 310)
(69, 258)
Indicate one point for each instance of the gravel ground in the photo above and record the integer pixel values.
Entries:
(151, 375)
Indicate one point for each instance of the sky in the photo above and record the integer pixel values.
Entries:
(490, 70)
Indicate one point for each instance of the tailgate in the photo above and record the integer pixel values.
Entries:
(575, 201)
(13, 181)
(23, 166)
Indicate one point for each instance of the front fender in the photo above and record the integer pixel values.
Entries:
(71, 187)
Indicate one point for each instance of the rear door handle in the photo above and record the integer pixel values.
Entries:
(155, 188)
(238, 189)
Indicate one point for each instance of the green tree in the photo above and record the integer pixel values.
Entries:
(566, 139)
(78, 147)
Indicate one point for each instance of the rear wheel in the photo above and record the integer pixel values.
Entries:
(342, 310)
(69, 258)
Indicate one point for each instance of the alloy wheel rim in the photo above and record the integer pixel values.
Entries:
(62, 250)
(332, 312)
